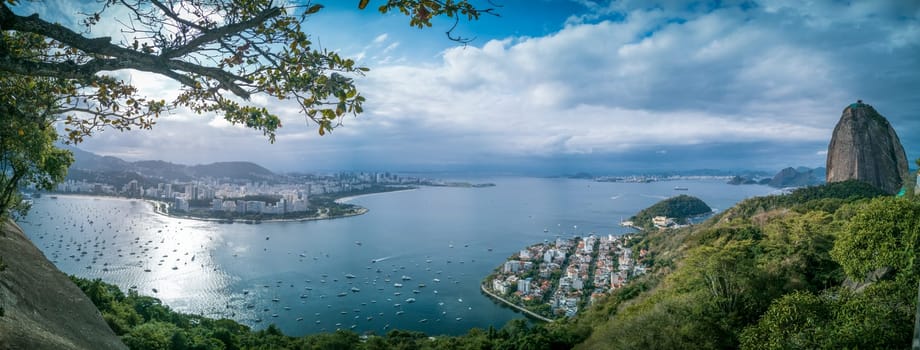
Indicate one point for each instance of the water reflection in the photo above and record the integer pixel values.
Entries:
(122, 242)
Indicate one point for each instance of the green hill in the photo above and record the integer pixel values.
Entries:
(824, 267)
(680, 208)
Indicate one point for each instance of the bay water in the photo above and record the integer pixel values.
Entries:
(438, 243)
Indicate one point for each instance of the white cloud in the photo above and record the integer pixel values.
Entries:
(595, 88)
(390, 47)
(656, 79)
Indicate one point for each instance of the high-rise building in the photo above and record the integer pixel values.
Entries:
(524, 286)
(217, 204)
(181, 204)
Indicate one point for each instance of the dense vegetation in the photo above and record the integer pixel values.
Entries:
(825, 267)
(826, 198)
(679, 208)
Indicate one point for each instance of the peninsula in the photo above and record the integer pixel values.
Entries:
(673, 211)
(266, 208)
(556, 279)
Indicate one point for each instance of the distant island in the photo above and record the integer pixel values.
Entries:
(786, 178)
(672, 211)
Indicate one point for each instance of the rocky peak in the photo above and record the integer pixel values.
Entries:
(865, 147)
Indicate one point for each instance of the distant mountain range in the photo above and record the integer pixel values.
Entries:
(788, 177)
(88, 165)
(798, 177)
(663, 173)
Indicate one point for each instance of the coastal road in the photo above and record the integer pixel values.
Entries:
(528, 312)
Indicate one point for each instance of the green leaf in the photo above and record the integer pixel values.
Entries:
(314, 9)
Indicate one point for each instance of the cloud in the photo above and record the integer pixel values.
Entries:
(743, 84)
(390, 47)
(380, 39)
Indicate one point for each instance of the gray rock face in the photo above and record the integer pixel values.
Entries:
(43, 309)
(865, 147)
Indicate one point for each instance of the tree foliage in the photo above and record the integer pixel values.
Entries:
(827, 197)
(772, 274)
(28, 156)
(680, 207)
(222, 52)
(883, 233)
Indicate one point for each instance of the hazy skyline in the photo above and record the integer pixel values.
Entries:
(567, 86)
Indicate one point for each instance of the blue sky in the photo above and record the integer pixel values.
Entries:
(565, 86)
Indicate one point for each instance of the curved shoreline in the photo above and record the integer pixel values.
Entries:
(155, 204)
(350, 198)
(518, 307)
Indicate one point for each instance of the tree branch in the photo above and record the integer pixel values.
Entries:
(214, 34)
(102, 46)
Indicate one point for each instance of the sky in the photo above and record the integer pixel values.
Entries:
(565, 86)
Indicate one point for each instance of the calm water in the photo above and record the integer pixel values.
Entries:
(292, 274)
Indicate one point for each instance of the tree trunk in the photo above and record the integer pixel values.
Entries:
(916, 345)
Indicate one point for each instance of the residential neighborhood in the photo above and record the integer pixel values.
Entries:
(558, 278)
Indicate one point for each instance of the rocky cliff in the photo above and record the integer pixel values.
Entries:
(42, 308)
(865, 147)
